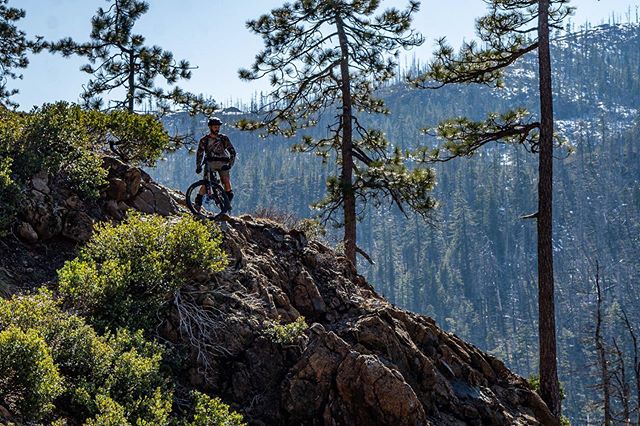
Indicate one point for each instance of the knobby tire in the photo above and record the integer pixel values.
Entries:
(212, 208)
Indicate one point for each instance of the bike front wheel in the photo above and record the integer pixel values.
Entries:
(214, 202)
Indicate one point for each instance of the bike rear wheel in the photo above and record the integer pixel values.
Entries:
(214, 202)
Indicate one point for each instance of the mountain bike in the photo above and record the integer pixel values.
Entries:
(215, 201)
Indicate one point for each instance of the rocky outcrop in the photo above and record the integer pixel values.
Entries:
(362, 361)
(51, 210)
(131, 187)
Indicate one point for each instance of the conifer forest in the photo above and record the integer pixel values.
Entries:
(471, 266)
(397, 228)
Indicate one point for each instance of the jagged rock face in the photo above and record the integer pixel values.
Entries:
(361, 362)
(130, 187)
(51, 210)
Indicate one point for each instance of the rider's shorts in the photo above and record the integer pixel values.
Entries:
(217, 166)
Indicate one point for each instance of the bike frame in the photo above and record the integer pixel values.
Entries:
(210, 176)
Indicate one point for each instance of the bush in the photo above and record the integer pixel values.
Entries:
(76, 348)
(9, 195)
(110, 413)
(29, 380)
(286, 334)
(126, 272)
(55, 139)
(114, 379)
(213, 412)
(123, 366)
(135, 138)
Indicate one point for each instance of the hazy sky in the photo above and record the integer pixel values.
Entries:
(212, 35)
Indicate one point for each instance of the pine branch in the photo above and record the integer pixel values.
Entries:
(464, 137)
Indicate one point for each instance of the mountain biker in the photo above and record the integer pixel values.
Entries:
(216, 148)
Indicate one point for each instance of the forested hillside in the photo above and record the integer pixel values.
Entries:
(474, 269)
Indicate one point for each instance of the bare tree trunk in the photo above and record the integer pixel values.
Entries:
(131, 89)
(349, 200)
(624, 392)
(549, 386)
(602, 356)
(636, 363)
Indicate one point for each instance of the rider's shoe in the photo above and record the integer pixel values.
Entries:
(198, 202)
(229, 197)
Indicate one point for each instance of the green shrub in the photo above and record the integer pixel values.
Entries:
(66, 142)
(56, 140)
(125, 273)
(11, 125)
(29, 380)
(135, 379)
(312, 228)
(110, 413)
(76, 348)
(9, 195)
(135, 138)
(286, 334)
(122, 366)
(53, 139)
(213, 412)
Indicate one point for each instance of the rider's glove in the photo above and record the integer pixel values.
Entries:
(225, 167)
(198, 169)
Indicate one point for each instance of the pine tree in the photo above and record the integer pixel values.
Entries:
(505, 32)
(120, 60)
(323, 55)
(14, 46)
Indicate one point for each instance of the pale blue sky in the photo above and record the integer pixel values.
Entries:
(212, 35)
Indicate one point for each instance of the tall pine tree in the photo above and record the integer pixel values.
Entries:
(323, 55)
(505, 34)
(119, 60)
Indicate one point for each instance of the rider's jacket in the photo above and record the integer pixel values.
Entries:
(217, 148)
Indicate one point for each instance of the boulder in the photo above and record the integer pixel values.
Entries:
(153, 198)
(133, 178)
(27, 233)
(73, 202)
(40, 184)
(144, 202)
(164, 204)
(117, 189)
(5, 416)
(49, 225)
(372, 393)
(123, 207)
(41, 215)
(306, 296)
(111, 208)
(78, 226)
(310, 381)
